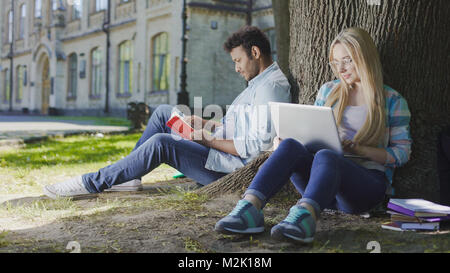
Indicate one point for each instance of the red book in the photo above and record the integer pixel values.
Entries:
(178, 125)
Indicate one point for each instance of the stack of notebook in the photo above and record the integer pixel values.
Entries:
(415, 214)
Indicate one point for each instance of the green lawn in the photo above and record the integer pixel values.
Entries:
(26, 170)
(112, 121)
(27, 219)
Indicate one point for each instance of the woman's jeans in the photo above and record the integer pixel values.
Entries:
(157, 145)
(325, 180)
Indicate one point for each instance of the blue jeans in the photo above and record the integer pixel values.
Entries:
(156, 146)
(325, 180)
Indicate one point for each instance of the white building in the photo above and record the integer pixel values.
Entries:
(60, 52)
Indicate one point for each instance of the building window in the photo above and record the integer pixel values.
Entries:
(101, 5)
(73, 76)
(6, 86)
(55, 4)
(125, 68)
(160, 62)
(20, 76)
(25, 76)
(38, 8)
(96, 73)
(10, 26)
(22, 22)
(271, 34)
(77, 9)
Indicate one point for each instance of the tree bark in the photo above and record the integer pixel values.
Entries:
(236, 182)
(282, 27)
(281, 16)
(414, 48)
(413, 42)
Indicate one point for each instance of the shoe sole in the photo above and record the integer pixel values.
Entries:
(54, 196)
(246, 231)
(121, 189)
(306, 240)
(287, 237)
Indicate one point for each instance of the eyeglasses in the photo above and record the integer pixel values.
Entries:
(347, 63)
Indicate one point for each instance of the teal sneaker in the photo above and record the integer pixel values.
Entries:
(178, 175)
(299, 225)
(244, 218)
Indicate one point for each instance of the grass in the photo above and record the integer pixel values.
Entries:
(27, 169)
(39, 209)
(112, 121)
(192, 245)
(24, 171)
(179, 200)
(3, 241)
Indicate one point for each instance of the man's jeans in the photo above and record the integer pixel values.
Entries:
(156, 146)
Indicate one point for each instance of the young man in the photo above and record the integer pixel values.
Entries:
(243, 134)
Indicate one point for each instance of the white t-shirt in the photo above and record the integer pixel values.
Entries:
(353, 119)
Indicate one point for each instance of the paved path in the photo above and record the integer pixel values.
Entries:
(16, 129)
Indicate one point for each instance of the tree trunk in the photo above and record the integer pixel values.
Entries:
(282, 28)
(281, 16)
(414, 48)
(236, 182)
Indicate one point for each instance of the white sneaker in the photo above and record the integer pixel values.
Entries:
(70, 188)
(132, 185)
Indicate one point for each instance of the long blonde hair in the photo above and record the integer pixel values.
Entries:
(367, 63)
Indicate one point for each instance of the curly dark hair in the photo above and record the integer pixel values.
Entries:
(247, 37)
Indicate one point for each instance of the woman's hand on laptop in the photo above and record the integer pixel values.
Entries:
(276, 143)
(350, 147)
(379, 155)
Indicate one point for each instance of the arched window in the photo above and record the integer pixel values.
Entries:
(125, 68)
(160, 62)
(22, 22)
(96, 72)
(73, 76)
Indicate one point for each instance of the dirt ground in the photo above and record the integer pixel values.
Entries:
(159, 219)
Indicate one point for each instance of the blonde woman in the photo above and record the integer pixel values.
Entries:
(373, 121)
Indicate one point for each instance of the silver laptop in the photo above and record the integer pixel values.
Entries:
(313, 126)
